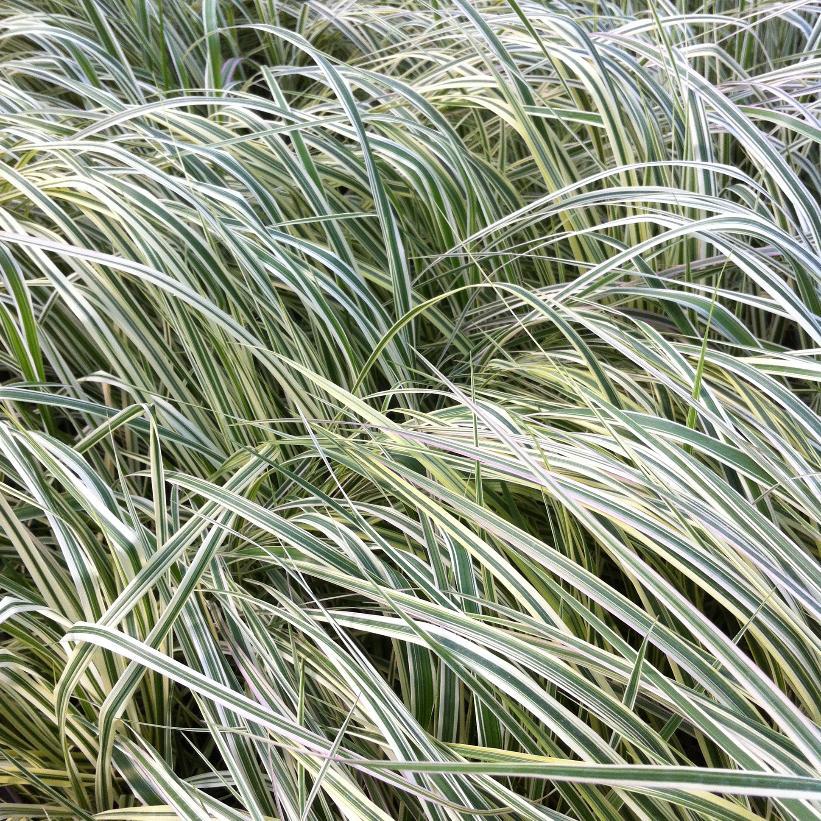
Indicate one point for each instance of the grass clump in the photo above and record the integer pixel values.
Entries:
(409, 410)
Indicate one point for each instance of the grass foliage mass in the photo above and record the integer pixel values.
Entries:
(409, 410)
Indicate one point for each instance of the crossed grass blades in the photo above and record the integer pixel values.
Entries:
(409, 410)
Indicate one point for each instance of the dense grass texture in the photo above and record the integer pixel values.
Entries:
(409, 409)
